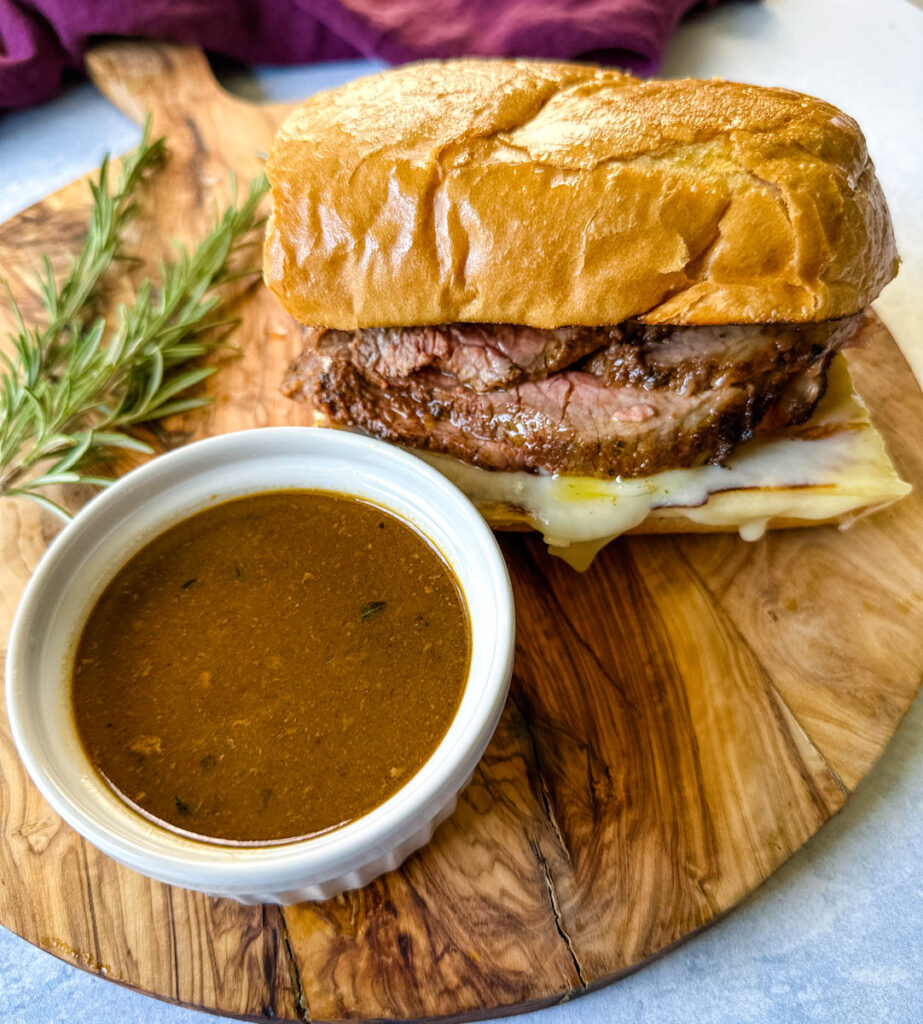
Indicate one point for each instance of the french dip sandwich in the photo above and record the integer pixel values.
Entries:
(599, 305)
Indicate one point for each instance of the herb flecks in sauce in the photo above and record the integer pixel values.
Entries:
(272, 667)
(372, 609)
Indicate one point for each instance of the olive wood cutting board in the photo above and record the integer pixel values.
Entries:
(682, 717)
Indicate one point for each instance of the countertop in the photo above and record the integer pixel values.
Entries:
(837, 934)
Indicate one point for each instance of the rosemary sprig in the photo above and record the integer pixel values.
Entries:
(109, 217)
(69, 390)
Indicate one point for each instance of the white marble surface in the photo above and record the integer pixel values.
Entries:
(836, 936)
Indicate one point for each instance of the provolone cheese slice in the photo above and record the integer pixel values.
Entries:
(833, 466)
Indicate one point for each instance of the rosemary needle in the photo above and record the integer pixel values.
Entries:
(69, 390)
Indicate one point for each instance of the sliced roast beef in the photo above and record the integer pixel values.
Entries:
(688, 359)
(483, 357)
(490, 357)
(571, 422)
(797, 400)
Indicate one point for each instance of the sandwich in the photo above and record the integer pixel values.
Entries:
(598, 305)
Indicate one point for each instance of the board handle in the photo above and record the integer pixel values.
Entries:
(160, 78)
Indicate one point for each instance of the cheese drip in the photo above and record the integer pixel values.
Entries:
(832, 465)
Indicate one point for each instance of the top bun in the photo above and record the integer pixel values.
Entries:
(517, 191)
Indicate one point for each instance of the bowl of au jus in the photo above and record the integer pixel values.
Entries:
(264, 665)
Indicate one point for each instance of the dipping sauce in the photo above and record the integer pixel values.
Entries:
(272, 667)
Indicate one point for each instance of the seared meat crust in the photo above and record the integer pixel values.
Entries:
(645, 400)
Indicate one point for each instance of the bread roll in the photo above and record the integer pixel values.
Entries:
(549, 194)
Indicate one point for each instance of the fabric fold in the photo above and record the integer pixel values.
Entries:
(42, 39)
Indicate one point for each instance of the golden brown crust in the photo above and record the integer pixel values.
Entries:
(550, 194)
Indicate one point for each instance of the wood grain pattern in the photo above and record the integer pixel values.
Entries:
(682, 718)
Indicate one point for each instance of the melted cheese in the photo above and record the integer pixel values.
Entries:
(831, 466)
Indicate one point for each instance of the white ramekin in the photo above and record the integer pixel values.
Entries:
(115, 525)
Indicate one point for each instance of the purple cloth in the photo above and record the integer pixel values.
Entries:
(40, 39)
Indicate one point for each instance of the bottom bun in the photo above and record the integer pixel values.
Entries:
(833, 468)
(579, 554)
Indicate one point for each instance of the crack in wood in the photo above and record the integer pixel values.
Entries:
(545, 797)
(556, 911)
(301, 999)
(549, 810)
(543, 790)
